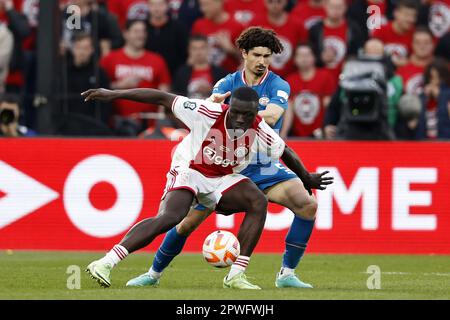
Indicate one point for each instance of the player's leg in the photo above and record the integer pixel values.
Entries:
(244, 196)
(171, 246)
(174, 208)
(292, 195)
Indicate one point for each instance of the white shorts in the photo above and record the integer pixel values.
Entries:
(208, 191)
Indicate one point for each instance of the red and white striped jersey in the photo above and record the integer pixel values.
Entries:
(209, 149)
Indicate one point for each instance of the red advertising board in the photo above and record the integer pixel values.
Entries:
(84, 194)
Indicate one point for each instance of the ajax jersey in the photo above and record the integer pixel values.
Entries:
(209, 149)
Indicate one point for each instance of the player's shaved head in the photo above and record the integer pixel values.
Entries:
(243, 109)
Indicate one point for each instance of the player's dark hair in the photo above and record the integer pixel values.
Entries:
(259, 37)
(410, 4)
(246, 94)
(132, 22)
(198, 37)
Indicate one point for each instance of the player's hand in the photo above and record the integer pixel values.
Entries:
(100, 94)
(317, 181)
(218, 97)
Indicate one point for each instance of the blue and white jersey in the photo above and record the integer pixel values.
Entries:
(271, 89)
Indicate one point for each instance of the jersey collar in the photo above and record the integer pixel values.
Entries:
(263, 78)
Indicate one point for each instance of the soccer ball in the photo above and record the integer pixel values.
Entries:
(221, 249)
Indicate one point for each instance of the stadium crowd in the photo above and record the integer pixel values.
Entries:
(187, 46)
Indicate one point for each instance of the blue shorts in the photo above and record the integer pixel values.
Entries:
(264, 176)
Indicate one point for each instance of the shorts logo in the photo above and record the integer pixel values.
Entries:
(190, 105)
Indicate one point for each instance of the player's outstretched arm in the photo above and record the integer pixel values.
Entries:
(152, 96)
(310, 180)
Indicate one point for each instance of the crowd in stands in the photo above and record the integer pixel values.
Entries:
(186, 46)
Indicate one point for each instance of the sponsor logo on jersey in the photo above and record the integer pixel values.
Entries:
(190, 105)
(212, 155)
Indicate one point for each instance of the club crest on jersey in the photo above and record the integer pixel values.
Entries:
(241, 152)
(190, 105)
(264, 101)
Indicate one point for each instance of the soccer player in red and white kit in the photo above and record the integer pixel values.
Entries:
(397, 35)
(223, 140)
(421, 57)
(222, 31)
(134, 67)
(311, 89)
(288, 31)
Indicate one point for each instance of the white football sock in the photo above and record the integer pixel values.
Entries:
(154, 274)
(117, 254)
(284, 272)
(238, 266)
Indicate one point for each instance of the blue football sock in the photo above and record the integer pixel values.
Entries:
(297, 241)
(171, 246)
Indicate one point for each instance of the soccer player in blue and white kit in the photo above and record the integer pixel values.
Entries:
(280, 184)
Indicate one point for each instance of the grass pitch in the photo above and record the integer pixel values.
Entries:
(43, 275)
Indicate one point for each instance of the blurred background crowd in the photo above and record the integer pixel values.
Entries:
(333, 50)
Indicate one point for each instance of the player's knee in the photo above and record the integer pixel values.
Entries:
(258, 204)
(307, 209)
(170, 219)
(187, 226)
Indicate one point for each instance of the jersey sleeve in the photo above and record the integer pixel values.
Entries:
(279, 93)
(195, 112)
(269, 142)
(223, 85)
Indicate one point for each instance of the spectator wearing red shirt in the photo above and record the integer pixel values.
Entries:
(288, 32)
(197, 77)
(245, 11)
(308, 12)
(134, 67)
(397, 35)
(311, 89)
(421, 56)
(335, 37)
(222, 31)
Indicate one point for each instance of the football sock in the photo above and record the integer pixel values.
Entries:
(238, 266)
(117, 254)
(171, 246)
(284, 272)
(297, 241)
